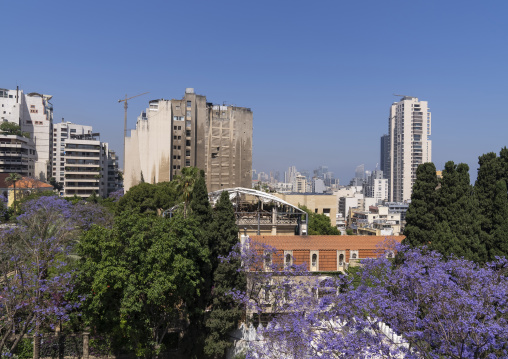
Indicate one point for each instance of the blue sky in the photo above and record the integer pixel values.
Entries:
(319, 76)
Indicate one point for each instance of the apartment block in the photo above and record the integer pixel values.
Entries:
(17, 155)
(34, 114)
(80, 160)
(190, 132)
(410, 144)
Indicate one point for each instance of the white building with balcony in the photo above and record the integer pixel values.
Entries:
(80, 160)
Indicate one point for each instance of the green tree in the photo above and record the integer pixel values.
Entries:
(421, 218)
(457, 209)
(13, 178)
(185, 185)
(140, 277)
(165, 195)
(497, 243)
(319, 224)
(199, 204)
(140, 198)
(225, 313)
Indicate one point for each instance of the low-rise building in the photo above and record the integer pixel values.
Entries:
(318, 203)
(326, 253)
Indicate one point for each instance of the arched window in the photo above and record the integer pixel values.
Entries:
(288, 260)
(341, 259)
(354, 256)
(268, 260)
(314, 260)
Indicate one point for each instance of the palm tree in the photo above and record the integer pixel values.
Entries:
(186, 182)
(12, 179)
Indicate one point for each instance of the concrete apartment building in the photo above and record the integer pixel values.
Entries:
(410, 144)
(34, 114)
(173, 134)
(17, 155)
(80, 160)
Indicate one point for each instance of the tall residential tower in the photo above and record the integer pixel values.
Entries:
(410, 144)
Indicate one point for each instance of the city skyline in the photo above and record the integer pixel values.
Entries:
(319, 80)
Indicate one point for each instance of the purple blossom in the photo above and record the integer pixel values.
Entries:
(424, 307)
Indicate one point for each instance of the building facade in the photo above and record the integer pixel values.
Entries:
(191, 132)
(34, 114)
(80, 160)
(17, 155)
(410, 144)
(385, 156)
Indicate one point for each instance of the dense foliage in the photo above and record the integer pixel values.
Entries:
(36, 276)
(452, 217)
(424, 307)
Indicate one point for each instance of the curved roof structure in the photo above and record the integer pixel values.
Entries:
(262, 196)
(238, 191)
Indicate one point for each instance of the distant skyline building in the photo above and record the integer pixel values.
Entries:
(410, 144)
(173, 134)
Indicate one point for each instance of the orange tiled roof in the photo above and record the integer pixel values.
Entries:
(325, 242)
(31, 183)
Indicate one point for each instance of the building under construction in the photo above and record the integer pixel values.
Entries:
(191, 132)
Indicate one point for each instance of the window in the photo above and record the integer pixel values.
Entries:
(188, 133)
(187, 152)
(314, 261)
(187, 163)
(288, 260)
(267, 293)
(188, 125)
(189, 103)
(187, 142)
(268, 260)
(188, 114)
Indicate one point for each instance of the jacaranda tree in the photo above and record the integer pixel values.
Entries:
(425, 307)
(35, 279)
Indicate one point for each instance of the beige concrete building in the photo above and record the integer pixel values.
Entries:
(318, 203)
(173, 134)
(410, 144)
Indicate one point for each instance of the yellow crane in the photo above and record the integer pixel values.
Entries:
(125, 122)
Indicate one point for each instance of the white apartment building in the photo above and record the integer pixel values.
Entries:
(34, 114)
(410, 144)
(376, 187)
(80, 160)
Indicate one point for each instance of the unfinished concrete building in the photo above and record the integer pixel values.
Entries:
(190, 132)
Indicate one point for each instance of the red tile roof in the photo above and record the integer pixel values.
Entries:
(326, 242)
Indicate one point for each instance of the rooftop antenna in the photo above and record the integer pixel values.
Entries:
(125, 122)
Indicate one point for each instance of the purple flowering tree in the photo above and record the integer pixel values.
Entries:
(35, 281)
(424, 307)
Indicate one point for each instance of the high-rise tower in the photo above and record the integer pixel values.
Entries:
(410, 144)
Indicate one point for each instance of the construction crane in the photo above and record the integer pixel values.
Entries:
(125, 122)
